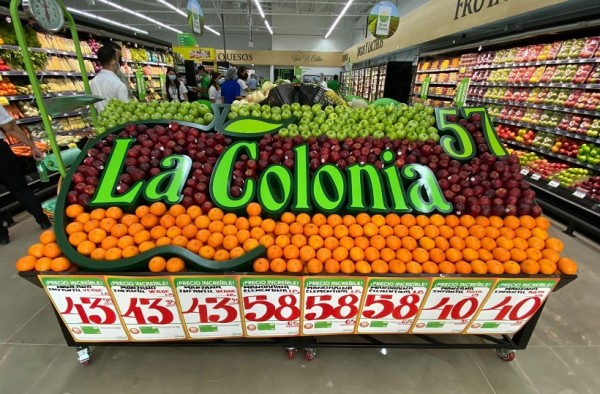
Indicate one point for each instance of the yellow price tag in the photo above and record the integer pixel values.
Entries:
(463, 70)
(3, 101)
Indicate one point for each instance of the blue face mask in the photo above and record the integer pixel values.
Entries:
(172, 77)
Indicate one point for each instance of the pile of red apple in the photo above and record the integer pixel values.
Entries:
(592, 185)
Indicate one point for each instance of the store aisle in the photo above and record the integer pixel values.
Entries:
(562, 357)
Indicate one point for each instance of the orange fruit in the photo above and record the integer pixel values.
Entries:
(74, 227)
(229, 218)
(356, 254)
(90, 225)
(501, 254)
(268, 226)
(457, 243)
(256, 232)
(485, 255)
(141, 236)
(371, 254)
(430, 267)
(482, 221)
(427, 243)
(114, 213)
(437, 220)
(175, 264)
(473, 242)
(533, 254)
(542, 223)
(36, 250)
(231, 241)
(294, 265)
(307, 253)
(387, 254)
(43, 264)
(130, 251)
(420, 255)
(281, 229)
(109, 242)
(431, 231)
(547, 267)
(274, 252)
(453, 255)
(266, 240)
(288, 218)
(215, 240)
(408, 220)
(470, 254)
(158, 209)
(291, 251)
(158, 232)
(339, 253)
(446, 231)
(254, 221)
(303, 219)
(52, 250)
(467, 221)
(261, 265)
(135, 228)
(60, 264)
(378, 220)
(477, 231)
(363, 218)
(393, 242)
(340, 231)
(377, 241)
(157, 264)
(119, 230)
(409, 243)
(512, 268)
(441, 243)
(319, 219)
(380, 267)
(363, 267)
(163, 241)
(404, 255)
(241, 223)
(361, 242)
(194, 246)
(189, 231)
(355, 230)
(527, 222)
(348, 220)
(539, 233)
(518, 255)
(142, 210)
(512, 222)
(447, 267)
(537, 243)
(47, 237)
(72, 211)
(463, 268)
(495, 267)
(461, 232)
(492, 232)
(125, 241)
(530, 267)
(520, 243)
(26, 263)
(253, 209)
(567, 266)
(392, 219)
(551, 255)
(397, 267)
(412, 267)
(400, 230)
(523, 232)
(323, 254)
(347, 266)
(173, 232)
(325, 230)
(479, 267)
(243, 235)
(180, 221)
(314, 266)
(176, 210)
(422, 220)
(282, 241)
(299, 240)
(113, 254)
(551, 243)
(207, 252)
(223, 255)
(505, 243)
(97, 235)
(216, 213)
(452, 221)
(250, 244)
(437, 255)
(496, 221)
(416, 232)
(315, 241)
(333, 267)
(370, 230)
(168, 221)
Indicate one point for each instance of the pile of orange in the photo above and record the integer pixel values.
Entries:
(44, 256)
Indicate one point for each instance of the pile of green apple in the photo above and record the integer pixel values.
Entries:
(415, 123)
(589, 153)
(119, 113)
(267, 112)
(571, 176)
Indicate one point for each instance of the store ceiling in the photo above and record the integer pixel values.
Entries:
(234, 14)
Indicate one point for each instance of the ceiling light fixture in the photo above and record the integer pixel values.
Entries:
(180, 12)
(268, 27)
(127, 10)
(105, 20)
(339, 17)
(260, 10)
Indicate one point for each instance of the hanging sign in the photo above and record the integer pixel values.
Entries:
(331, 305)
(383, 20)
(451, 304)
(186, 40)
(512, 303)
(461, 92)
(195, 17)
(195, 53)
(85, 306)
(163, 82)
(271, 305)
(147, 307)
(209, 306)
(141, 85)
(391, 305)
(425, 88)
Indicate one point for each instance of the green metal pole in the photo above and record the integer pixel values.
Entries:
(37, 92)
(84, 76)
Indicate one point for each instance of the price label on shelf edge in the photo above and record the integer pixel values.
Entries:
(331, 305)
(510, 305)
(271, 305)
(86, 307)
(391, 305)
(536, 176)
(148, 308)
(580, 193)
(524, 171)
(209, 306)
(451, 304)
(554, 183)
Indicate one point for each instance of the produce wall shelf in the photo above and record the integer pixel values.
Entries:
(36, 119)
(548, 130)
(535, 106)
(538, 63)
(437, 71)
(47, 95)
(551, 154)
(49, 51)
(539, 85)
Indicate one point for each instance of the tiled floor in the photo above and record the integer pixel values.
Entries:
(563, 356)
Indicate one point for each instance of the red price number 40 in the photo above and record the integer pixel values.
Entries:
(456, 311)
(406, 309)
(137, 308)
(513, 312)
(345, 309)
(285, 310)
(227, 315)
(86, 310)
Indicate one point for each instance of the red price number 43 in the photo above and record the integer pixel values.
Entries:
(90, 310)
(139, 308)
(407, 308)
(224, 313)
(285, 310)
(342, 308)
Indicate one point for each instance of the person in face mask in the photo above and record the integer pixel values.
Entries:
(175, 90)
(106, 84)
(242, 74)
(122, 76)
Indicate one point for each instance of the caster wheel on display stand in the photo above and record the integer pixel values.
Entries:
(310, 354)
(84, 355)
(506, 354)
(291, 353)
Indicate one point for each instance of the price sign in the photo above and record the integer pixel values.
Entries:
(554, 183)
(331, 305)
(451, 305)
(536, 176)
(271, 306)
(580, 193)
(86, 307)
(524, 171)
(391, 305)
(147, 307)
(512, 303)
(209, 306)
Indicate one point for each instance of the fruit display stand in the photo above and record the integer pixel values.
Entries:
(543, 98)
(247, 231)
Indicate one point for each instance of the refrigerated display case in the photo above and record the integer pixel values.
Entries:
(373, 83)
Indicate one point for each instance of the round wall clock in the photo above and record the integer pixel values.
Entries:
(47, 13)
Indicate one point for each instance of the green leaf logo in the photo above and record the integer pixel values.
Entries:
(251, 126)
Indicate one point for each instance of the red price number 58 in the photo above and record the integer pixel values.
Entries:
(285, 310)
(139, 307)
(86, 308)
(227, 315)
(406, 309)
(461, 310)
(513, 312)
(343, 308)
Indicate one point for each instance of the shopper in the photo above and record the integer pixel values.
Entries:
(106, 84)
(203, 81)
(323, 81)
(175, 90)
(242, 74)
(252, 82)
(120, 73)
(230, 89)
(334, 84)
(214, 91)
(11, 174)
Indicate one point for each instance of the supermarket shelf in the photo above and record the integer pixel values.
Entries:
(539, 63)
(47, 95)
(145, 76)
(438, 96)
(564, 192)
(437, 71)
(556, 131)
(438, 83)
(150, 63)
(36, 119)
(551, 154)
(46, 73)
(536, 106)
(49, 51)
(594, 86)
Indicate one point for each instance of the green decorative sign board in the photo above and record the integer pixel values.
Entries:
(425, 88)
(141, 85)
(186, 40)
(461, 92)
